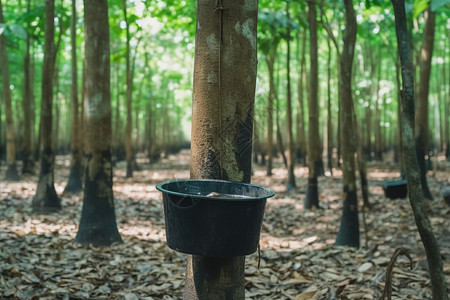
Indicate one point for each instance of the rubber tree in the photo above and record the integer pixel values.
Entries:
(46, 200)
(11, 171)
(129, 98)
(225, 67)
(422, 126)
(268, 41)
(312, 193)
(413, 176)
(28, 114)
(349, 228)
(98, 220)
(74, 183)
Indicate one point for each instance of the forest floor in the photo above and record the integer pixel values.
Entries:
(39, 259)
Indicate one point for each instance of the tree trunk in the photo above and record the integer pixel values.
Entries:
(27, 149)
(46, 200)
(301, 152)
(312, 193)
(222, 120)
(290, 140)
(128, 129)
(349, 228)
(422, 126)
(98, 221)
(272, 96)
(11, 171)
(74, 183)
(416, 196)
(329, 119)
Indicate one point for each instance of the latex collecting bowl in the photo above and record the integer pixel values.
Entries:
(213, 217)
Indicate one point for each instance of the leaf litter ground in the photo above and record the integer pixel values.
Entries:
(39, 260)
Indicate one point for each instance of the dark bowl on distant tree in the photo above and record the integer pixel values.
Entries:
(446, 193)
(395, 189)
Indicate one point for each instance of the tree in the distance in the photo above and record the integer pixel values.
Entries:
(348, 234)
(28, 163)
(46, 200)
(98, 220)
(422, 126)
(312, 193)
(11, 171)
(74, 183)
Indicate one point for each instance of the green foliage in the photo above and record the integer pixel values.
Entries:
(419, 7)
(436, 4)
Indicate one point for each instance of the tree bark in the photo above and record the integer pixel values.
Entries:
(416, 196)
(74, 183)
(222, 124)
(312, 193)
(422, 126)
(27, 149)
(290, 140)
(128, 129)
(272, 96)
(46, 200)
(301, 135)
(98, 221)
(349, 228)
(329, 119)
(11, 167)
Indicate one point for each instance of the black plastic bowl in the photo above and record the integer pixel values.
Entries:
(395, 189)
(213, 217)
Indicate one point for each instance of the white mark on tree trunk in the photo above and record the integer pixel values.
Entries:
(249, 33)
(249, 5)
(91, 107)
(212, 42)
(212, 77)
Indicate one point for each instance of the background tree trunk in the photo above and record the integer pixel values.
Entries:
(74, 183)
(301, 135)
(46, 200)
(422, 126)
(270, 109)
(222, 120)
(128, 129)
(27, 149)
(98, 220)
(329, 114)
(312, 193)
(290, 139)
(349, 228)
(416, 196)
(11, 171)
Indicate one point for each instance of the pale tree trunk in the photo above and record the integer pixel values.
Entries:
(290, 139)
(329, 119)
(27, 149)
(416, 196)
(222, 120)
(312, 193)
(446, 100)
(98, 220)
(128, 129)
(74, 183)
(272, 96)
(11, 171)
(422, 126)
(349, 228)
(301, 135)
(46, 200)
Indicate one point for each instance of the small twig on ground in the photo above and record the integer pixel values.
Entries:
(388, 285)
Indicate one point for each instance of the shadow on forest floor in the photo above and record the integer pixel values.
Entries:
(39, 260)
